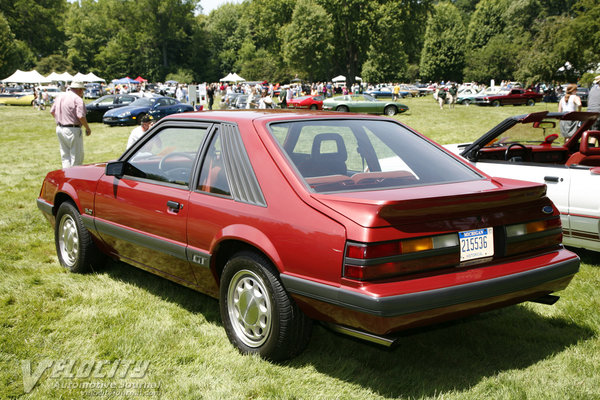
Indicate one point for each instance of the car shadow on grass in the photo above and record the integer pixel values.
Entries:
(589, 257)
(452, 356)
(426, 362)
(187, 298)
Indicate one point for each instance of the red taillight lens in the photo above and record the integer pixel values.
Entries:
(382, 260)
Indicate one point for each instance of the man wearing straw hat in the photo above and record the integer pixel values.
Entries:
(69, 113)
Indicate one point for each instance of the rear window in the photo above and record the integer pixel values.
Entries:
(348, 155)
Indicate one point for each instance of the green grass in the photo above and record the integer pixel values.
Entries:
(529, 351)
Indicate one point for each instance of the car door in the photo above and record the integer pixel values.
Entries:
(584, 208)
(142, 215)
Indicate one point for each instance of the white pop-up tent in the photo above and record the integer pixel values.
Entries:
(26, 77)
(232, 77)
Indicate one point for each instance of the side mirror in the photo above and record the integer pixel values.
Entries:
(116, 169)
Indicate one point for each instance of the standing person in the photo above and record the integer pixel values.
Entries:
(138, 132)
(69, 112)
(570, 102)
(594, 101)
(210, 93)
(452, 92)
(283, 97)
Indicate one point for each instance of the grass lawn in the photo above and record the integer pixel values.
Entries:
(88, 329)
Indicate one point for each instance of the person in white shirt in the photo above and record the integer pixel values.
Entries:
(138, 132)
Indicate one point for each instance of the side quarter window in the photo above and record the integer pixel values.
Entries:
(213, 177)
(168, 156)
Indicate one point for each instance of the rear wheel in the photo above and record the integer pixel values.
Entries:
(390, 110)
(342, 109)
(258, 314)
(74, 245)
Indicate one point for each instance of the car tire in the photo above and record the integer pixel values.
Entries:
(258, 314)
(75, 247)
(530, 102)
(390, 111)
(314, 107)
(496, 103)
(342, 109)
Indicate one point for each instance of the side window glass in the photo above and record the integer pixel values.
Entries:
(168, 156)
(213, 178)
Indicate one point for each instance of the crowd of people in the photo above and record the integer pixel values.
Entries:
(69, 109)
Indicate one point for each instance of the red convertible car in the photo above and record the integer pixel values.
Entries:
(516, 97)
(291, 217)
(308, 102)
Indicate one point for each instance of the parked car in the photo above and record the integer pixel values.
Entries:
(157, 107)
(467, 95)
(97, 108)
(307, 102)
(228, 101)
(530, 147)
(17, 99)
(353, 220)
(381, 93)
(515, 96)
(363, 103)
(93, 91)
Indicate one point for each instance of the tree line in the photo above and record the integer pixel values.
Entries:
(277, 40)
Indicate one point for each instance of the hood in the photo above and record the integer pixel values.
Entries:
(446, 206)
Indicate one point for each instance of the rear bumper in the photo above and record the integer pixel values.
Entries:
(382, 315)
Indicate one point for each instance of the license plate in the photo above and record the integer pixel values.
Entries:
(478, 243)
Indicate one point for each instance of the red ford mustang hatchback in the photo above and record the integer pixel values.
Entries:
(288, 217)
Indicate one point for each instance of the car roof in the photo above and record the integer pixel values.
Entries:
(268, 115)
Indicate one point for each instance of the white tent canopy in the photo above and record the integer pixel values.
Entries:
(91, 77)
(79, 77)
(56, 77)
(232, 77)
(26, 77)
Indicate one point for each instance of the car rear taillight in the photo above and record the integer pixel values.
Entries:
(533, 235)
(372, 261)
(382, 260)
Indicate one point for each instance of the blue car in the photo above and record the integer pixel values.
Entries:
(157, 107)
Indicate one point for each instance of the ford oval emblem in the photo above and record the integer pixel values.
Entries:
(547, 210)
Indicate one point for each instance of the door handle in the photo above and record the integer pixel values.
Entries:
(552, 179)
(175, 206)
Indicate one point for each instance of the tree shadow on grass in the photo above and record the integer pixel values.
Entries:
(429, 361)
(446, 357)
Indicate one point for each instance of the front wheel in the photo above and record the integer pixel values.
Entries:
(258, 314)
(74, 245)
(390, 110)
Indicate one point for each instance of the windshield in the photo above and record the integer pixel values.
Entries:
(348, 155)
(143, 102)
(529, 133)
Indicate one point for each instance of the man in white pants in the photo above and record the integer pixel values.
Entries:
(69, 113)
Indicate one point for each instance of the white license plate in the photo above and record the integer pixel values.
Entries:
(478, 243)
